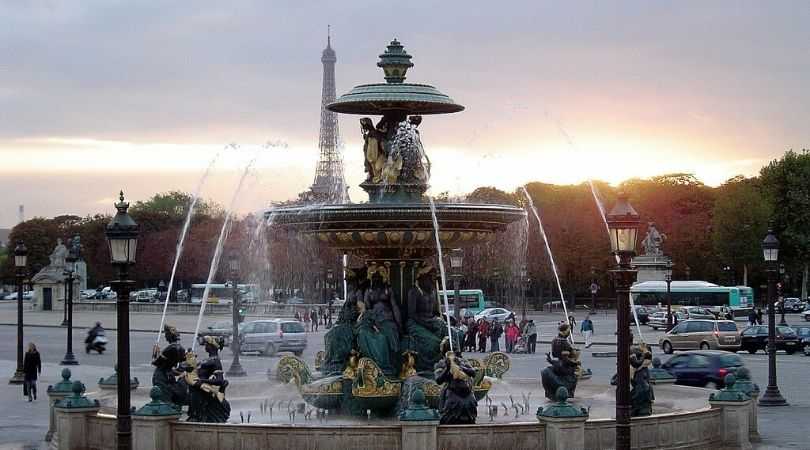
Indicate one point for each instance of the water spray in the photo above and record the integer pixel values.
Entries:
(441, 270)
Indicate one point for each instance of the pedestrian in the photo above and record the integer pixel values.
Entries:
(572, 322)
(586, 328)
(494, 336)
(483, 332)
(32, 366)
(759, 316)
(512, 336)
(313, 320)
(531, 331)
(752, 317)
(472, 330)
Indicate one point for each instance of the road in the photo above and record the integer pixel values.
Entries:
(24, 425)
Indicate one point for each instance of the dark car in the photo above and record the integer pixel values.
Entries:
(222, 329)
(803, 331)
(792, 304)
(643, 315)
(702, 368)
(755, 338)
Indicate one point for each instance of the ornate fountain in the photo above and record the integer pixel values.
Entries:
(386, 339)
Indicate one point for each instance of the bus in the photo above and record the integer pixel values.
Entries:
(472, 300)
(223, 293)
(739, 299)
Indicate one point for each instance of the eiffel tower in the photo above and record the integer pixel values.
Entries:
(329, 185)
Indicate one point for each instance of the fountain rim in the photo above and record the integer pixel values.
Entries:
(379, 98)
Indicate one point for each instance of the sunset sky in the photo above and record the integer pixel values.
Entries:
(97, 96)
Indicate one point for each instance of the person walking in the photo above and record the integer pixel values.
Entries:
(483, 332)
(572, 322)
(32, 367)
(531, 331)
(752, 318)
(313, 320)
(512, 335)
(759, 316)
(586, 328)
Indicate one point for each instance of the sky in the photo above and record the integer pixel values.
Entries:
(98, 96)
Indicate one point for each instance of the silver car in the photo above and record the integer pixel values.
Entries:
(271, 336)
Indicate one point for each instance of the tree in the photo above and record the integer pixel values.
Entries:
(741, 214)
(787, 183)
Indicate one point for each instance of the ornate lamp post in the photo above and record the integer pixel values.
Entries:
(594, 288)
(20, 263)
(668, 279)
(456, 263)
(236, 369)
(330, 276)
(780, 289)
(70, 269)
(770, 250)
(524, 284)
(623, 224)
(122, 236)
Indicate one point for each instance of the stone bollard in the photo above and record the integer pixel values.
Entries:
(55, 393)
(419, 424)
(71, 419)
(151, 423)
(564, 422)
(745, 384)
(735, 406)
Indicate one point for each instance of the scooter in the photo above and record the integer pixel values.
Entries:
(99, 344)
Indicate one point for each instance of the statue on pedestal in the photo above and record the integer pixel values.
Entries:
(166, 364)
(653, 241)
(564, 364)
(425, 327)
(378, 324)
(457, 402)
(59, 254)
(339, 340)
(374, 154)
(206, 385)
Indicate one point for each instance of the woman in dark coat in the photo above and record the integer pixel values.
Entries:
(32, 366)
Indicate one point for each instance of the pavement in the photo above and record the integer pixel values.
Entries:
(24, 425)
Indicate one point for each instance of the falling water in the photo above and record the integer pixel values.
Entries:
(183, 233)
(550, 255)
(441, 270)
(218, 251)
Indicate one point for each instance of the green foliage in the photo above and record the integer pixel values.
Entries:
(741, 214)
(787, 183)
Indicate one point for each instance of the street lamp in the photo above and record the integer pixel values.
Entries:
(70, 269)
(623, 224)
(456, 263)
(236, 369)
(330, 275)
(122, 236)
(594, 288)
(770, 251)
(780, 289)
(20, 262)
(688, 273)
(524, 284)
(668, 279)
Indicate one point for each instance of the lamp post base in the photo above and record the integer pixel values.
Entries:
(69, 360)
(18, 378)
(772, 397)
(236, 370)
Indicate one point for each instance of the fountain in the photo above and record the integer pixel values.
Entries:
(394, 233)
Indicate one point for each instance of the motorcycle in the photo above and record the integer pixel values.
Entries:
(98, 343)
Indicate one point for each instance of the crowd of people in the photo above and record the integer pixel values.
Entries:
(517, 337)
(315, 317)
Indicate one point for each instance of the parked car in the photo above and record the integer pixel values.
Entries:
(755, 338)
(144, 296)
(803, 331)
(702, 368)
(792, 304)
(806, 314)
(643, 315)
(698, 312)
(499, 314)
(223, 329)
(703, 334)
(271, 336)
(27, 295)
(88, 294)
(658, 319)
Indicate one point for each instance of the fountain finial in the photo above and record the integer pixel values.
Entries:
(395, 62)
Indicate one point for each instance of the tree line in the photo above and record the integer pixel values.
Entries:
(713, 234)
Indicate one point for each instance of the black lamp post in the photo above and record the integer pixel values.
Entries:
(524, 284)
(236, 369)
(70, 270)
(770, 250)
(688, 273)
(122, 236)
(330, 276)
(496, 278)
(780, 289)
(20, 263)
(594, 288)
(623, 224)
(668, 279)
(456, 263)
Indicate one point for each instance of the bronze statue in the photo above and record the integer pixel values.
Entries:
(166, 364)
(339, 340)
(207, 385)
(425, 327)
(563, 364)
(374, 154)
(653, 241)
(457, 402)
(379, 322)
(641, 391)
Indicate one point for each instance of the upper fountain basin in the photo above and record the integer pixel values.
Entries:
(396, 230)
(377, 99)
